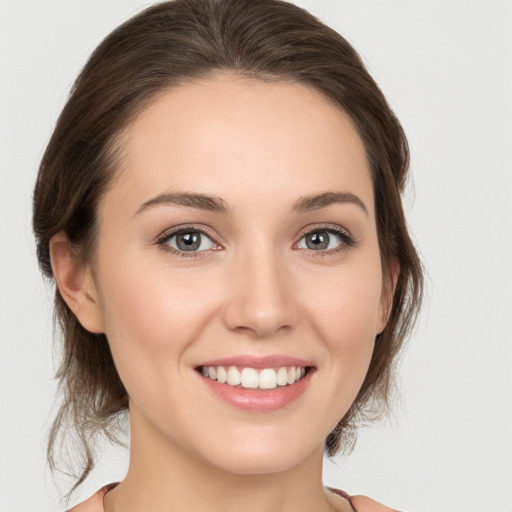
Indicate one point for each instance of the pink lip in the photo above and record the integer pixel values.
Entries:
(258, 400)
(258, 363)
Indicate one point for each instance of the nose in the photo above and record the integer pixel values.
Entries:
(261, 299)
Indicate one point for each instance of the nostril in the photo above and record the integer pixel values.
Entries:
(261, 306)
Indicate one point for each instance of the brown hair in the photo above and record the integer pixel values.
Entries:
(162, 46)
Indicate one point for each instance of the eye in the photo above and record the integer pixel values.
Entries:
(326, 239)
(185, 240)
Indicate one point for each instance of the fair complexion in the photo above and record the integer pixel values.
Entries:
(276, 264)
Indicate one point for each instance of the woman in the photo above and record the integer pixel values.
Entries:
(219, 206)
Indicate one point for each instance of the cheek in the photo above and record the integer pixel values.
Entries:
(346, 306)
(151, 317)
(346, 317)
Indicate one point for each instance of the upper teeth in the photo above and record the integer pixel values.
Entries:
(266, 378)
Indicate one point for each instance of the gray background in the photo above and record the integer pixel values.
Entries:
(446, 67)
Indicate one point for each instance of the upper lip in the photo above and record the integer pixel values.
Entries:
(258, 362)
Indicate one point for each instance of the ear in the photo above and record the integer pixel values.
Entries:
(388, 292)
(75, 284)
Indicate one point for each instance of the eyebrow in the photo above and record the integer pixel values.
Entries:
(196, 200)
(218, 205)
(325, 199)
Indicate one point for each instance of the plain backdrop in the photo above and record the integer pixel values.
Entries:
(446, 68)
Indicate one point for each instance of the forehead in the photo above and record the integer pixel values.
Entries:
(244, 140)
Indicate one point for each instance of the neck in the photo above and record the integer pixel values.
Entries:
(163, 476)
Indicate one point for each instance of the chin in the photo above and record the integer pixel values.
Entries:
(263, 456)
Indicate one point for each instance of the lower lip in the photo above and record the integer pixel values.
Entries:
(259, 400)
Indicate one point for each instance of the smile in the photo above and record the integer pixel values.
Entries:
(252, 378)
(257, 383)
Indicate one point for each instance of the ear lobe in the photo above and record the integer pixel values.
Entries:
(75, 284)
(388, 292)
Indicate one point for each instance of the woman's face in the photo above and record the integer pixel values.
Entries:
(240, 239)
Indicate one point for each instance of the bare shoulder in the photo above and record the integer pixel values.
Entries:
(365, 504)
(95, 502)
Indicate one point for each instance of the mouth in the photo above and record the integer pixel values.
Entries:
(251, 378)
(257, 384)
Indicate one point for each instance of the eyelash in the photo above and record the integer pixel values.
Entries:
(347, 241)
(164, 238)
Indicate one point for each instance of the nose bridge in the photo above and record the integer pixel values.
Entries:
(260, 299)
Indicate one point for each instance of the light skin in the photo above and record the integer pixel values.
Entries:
(262, 173)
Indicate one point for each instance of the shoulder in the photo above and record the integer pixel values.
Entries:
(365, 504)
(361, 503)
(95, 502)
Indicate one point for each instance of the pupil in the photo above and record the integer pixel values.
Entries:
(188, 241)
(317, 241)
